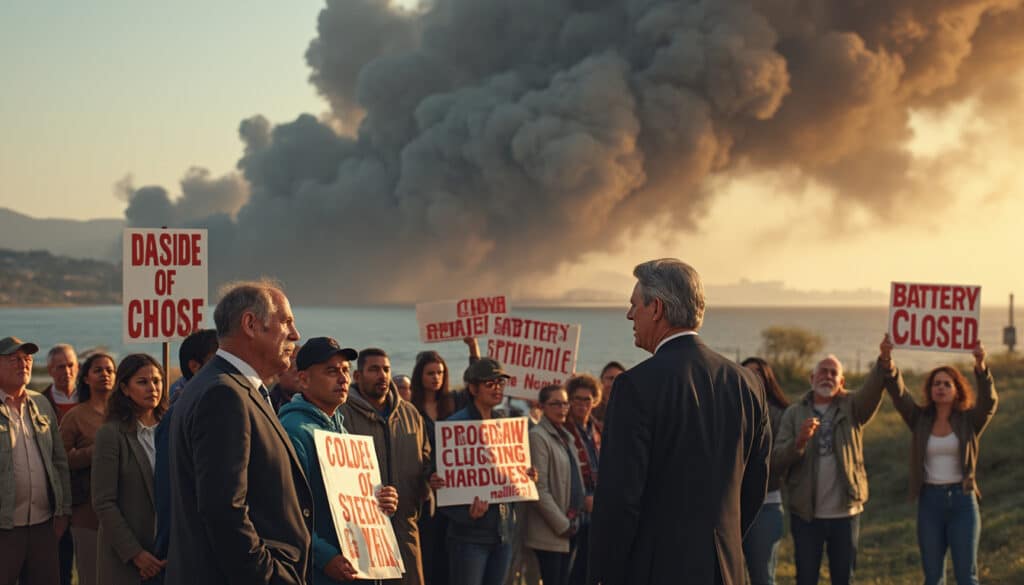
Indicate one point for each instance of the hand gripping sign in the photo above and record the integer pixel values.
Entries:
(934, 317)
(454, 320)
(164, 283)
(487, 459)
(351, 478)
(535, 353)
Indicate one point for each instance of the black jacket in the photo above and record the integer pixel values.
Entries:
(241, 507)
(684, 462)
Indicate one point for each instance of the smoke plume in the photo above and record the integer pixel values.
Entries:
(484, 142)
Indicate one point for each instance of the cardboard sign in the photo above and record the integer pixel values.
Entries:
(934, 317)
(487, 459)
(164, 283)
(351, 478)
(454, 320)
(535, 353)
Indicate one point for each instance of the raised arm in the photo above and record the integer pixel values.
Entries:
(988, 400)
(867, 400)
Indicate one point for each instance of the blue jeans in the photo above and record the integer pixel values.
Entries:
(478, 564)
(761, 544)
(840, 535)
(948, 518)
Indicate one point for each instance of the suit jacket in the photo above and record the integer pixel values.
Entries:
(122, 495)
(685, 450)
(241, 508)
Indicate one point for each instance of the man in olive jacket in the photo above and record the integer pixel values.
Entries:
(374, 408)
(820, 451)
(684, 457)
(35, 487)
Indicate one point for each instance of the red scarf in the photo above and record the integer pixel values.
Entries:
(589, 475)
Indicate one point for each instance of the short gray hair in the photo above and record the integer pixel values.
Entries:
(678, 286)
(238, 298)
(60, 348)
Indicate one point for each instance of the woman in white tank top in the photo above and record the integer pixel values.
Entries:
(944, 455)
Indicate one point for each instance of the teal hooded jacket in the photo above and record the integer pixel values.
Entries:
(299, 419)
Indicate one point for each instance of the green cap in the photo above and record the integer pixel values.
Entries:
(484, 369)
(9, 345)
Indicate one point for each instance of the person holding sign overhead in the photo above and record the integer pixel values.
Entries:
(820, 451)
(479, 535)
(324, 376)
(553, 521)
(946, 430)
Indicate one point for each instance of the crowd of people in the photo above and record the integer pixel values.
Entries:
(679, 469)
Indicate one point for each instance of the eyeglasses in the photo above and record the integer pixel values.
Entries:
(557, 403)
(494, 384)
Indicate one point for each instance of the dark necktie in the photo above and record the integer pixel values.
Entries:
(266, 396)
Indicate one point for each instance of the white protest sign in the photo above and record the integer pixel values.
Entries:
(164, 283)
(487, 459)
(454, 320)
(535, 353)
(934, 317)
(351, 478)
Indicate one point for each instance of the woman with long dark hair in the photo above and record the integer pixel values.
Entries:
(78, 430)
(761, 543)
(122, 479)
(431, 397)
(946, 428)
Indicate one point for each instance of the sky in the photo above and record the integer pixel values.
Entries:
(97, 92)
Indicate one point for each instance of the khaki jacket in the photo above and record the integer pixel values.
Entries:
(800, 473)
(968, 427)
(51, 448)
(546, 519)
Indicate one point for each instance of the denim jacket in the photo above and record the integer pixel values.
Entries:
(51, 448)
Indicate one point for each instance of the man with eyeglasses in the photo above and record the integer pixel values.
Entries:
(35, 496)
(374, 408)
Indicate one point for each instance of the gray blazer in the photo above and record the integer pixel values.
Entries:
(122, 495)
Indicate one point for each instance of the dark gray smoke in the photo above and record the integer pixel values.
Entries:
(488, 141)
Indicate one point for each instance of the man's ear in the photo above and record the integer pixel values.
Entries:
(303, 376)
(659, 310)
(249, 324)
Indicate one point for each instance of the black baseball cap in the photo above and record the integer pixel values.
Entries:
(484, 369)
(320, 349)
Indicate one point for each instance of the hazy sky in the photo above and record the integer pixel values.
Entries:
(94, 92)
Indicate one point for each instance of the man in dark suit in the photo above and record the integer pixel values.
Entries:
(241, 509)
(684, 457)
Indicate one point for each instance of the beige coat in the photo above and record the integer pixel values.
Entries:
(546, 519)
(122, 494)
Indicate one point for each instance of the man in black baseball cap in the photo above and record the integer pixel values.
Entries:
(324, 374)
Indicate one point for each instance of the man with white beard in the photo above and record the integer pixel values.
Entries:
(820, 450)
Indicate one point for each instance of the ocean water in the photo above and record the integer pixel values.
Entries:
(852, 333)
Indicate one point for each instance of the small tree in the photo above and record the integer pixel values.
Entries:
(789, 350)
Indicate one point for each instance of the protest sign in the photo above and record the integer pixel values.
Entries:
(934, 317)
(164, 283)
(351, 477)
(454, 320)
(487, 459)
(535, 353)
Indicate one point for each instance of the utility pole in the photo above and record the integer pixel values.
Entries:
(1010, 332)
